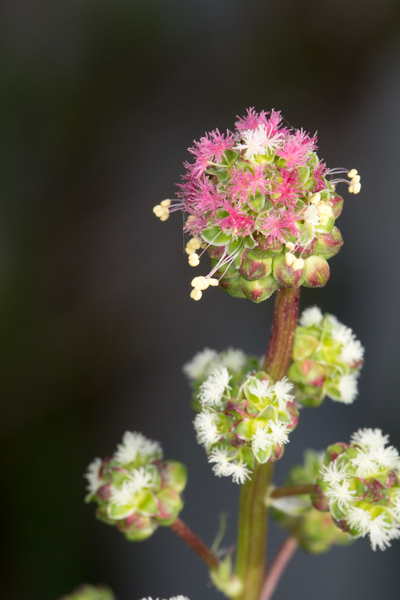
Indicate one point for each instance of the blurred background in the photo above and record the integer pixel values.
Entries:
(99, 101)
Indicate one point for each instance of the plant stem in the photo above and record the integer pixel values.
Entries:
(253, 512)
(292, 490)
(252, 535)
(280, 346)
(195, 543)
(278, 566)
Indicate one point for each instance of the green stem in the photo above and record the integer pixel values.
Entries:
(292, 490)
(253, 512)
(280, 346)
(252, 536)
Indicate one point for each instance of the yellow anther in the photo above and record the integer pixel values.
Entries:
(157, 208)
(201, 283)
(203, 245)
(213, 282)
(165, 203)
(290, 258)
(195, 243)
(164, 217)
(290, 246)
(194, 260)
(356, 188)
(189, 249)
(193, 256)
(356, 179)
(195, 282)
(351, 189)
(316, 198)
(298, 264)
(196, 294)
(352, 173)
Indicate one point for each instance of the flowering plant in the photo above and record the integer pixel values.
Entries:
(263, 205)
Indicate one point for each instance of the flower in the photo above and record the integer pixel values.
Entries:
(93, 476)
(206, 428)
(134, 444)
(213, 388)
(258, 188)
(197, 367)
(311, 316)
(348, 388)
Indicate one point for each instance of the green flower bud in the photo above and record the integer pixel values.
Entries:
(135, 490)
(255, 265)
(90, 592)
(286, 275)
(329, 244)
(317, 272)
(326, 360)
(360, 485)
(260, 289)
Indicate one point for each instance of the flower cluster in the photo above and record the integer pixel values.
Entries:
(314, 530)
(90, 592)
(263, 205)
(243, 420)
(205, 362)
(136, 490)
(359, 485)
(326, 359)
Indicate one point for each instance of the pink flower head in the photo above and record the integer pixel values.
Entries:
(289, 188)
(210, 148)
(208, 200)
(296, 148)
(239, 184)
(238, 222)
(319, 172)
(273, 225)
(252, 120)
(195, 224)
(257, 180)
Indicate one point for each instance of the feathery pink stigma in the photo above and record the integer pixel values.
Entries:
(289, 189)
(273, 225)
(319, 172)
(207, 197)
(239, 184)
(296, 147)
(257, 181)
(237, 221)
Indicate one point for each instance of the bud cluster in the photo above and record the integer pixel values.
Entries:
(90, 592)
(135, 489)
(359, 485)
(314, 530)
(243, 418)
(326, 359)
(263, 204)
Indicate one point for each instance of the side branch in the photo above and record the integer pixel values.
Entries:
(278, 566)
(195, 543)
(291, 490)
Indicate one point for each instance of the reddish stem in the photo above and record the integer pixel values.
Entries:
(278, 566)
(195, 543)
(280, 345)
(292, 490)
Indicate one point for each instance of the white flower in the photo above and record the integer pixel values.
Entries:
(206, 428)
(212, 390)
(364, 464)
(179, 598)
(381, 532)
(359, 518)
(340, 492)
(311, 316)
(334, 472)
(141, 479)
(395, 507)
(222, 458)
(281, 389)
(134, 443)
(372, 439)
(387, 458)
(240, 472)
(279, 432)
(199, 366)
(93, 476)
(124, 495)
(257, 141)
(352, 351)
(348, 388)
(234, 360)
(341, 333)
(312, 217)
(261, 389)
(261, 438)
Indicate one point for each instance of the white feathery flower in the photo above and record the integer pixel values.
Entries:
(199, 366)
(341, 493)
(311, 216)
(206, 428)
(212, 390)
(281, 389)
(124, 495)
(93, 476)
(359, 518)
(134, 443)
(334, 472)
(257, 141)
(352, 351)
(222, 459)
(387, 458)
(311, 316)
(234, 360)
(140, 479)
(240, 472)
(381, 532)
(372, 439)
(179, 598)
(364, 464)
(261, 438)
(395, 507)
(260, 389)
(348, 388)
(279, 432)
(341, 333)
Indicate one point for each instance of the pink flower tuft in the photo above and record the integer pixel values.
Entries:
(237, 221)
(296, 148)
(319, 172)
(257, 180)
(273, 225)
(252, 120)
(289, 188)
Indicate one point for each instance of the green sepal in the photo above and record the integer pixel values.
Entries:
(257, 203)
(244, 429)
(147, 504)
(117, 512)
(117, 477)
(176, 475)
(214, 235)
(304, 174)
(230, 156)
(263, 456)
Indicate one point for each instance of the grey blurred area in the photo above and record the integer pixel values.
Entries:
(99, 101)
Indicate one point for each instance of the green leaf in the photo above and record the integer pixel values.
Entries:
(213, 235)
